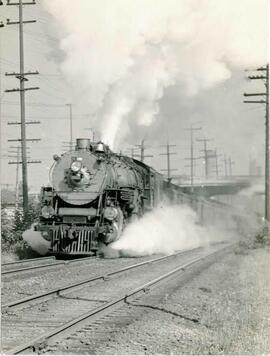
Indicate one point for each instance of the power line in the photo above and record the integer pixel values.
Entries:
(80, 117)
(132, 152)
(93, 132)
(39, 36)
(33, 104)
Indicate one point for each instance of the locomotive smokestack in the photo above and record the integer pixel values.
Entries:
(82, 144)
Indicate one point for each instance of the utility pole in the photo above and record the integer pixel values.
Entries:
(70, 126)
(93, 134)
(142, 147)
(216, 162)
(191, 158)
(168, 154)
(92, 131)
(225, 165)
(265, 100)
(22, 78)
(195, 160)
(132, 153)
(231, 163)
(205, 156)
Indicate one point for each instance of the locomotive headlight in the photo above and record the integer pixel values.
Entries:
(76, 166)
(110, 213)
(47, 212)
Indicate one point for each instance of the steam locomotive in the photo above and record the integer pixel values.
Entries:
(94, 193)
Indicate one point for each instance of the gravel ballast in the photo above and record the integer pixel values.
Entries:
(223, 308)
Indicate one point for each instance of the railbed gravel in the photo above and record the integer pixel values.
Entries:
(33, 320)
(220, 308)
(23, 284)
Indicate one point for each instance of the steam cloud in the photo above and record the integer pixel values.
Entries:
(124, 54)
(36, 241)
(165, 230)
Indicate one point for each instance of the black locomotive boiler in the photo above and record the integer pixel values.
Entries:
(93, 194)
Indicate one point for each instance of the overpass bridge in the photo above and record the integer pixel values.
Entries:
(222, 186)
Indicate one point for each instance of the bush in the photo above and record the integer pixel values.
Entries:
(24, 251)
(7, 237)
(13, 226)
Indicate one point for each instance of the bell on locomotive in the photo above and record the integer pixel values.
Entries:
(100, 147)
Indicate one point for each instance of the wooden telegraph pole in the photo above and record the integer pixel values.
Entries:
(192, 158)
(168, 154)
(263, 100)
(22, 77)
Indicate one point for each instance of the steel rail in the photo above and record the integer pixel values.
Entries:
(62, 262)
(42, 340)
(31, 268)
(56, 292)
(28, 260)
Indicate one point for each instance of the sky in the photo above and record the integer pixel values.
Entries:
(136, 70)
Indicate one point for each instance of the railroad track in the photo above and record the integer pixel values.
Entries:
(28, 260)
(88, 304)
(36, 264)
(56, 292)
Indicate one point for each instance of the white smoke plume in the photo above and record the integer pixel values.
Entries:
(165, 230)
(36, 241)
(124, 54)
(250, 202)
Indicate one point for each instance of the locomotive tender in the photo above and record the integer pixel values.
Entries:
(94, 193)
